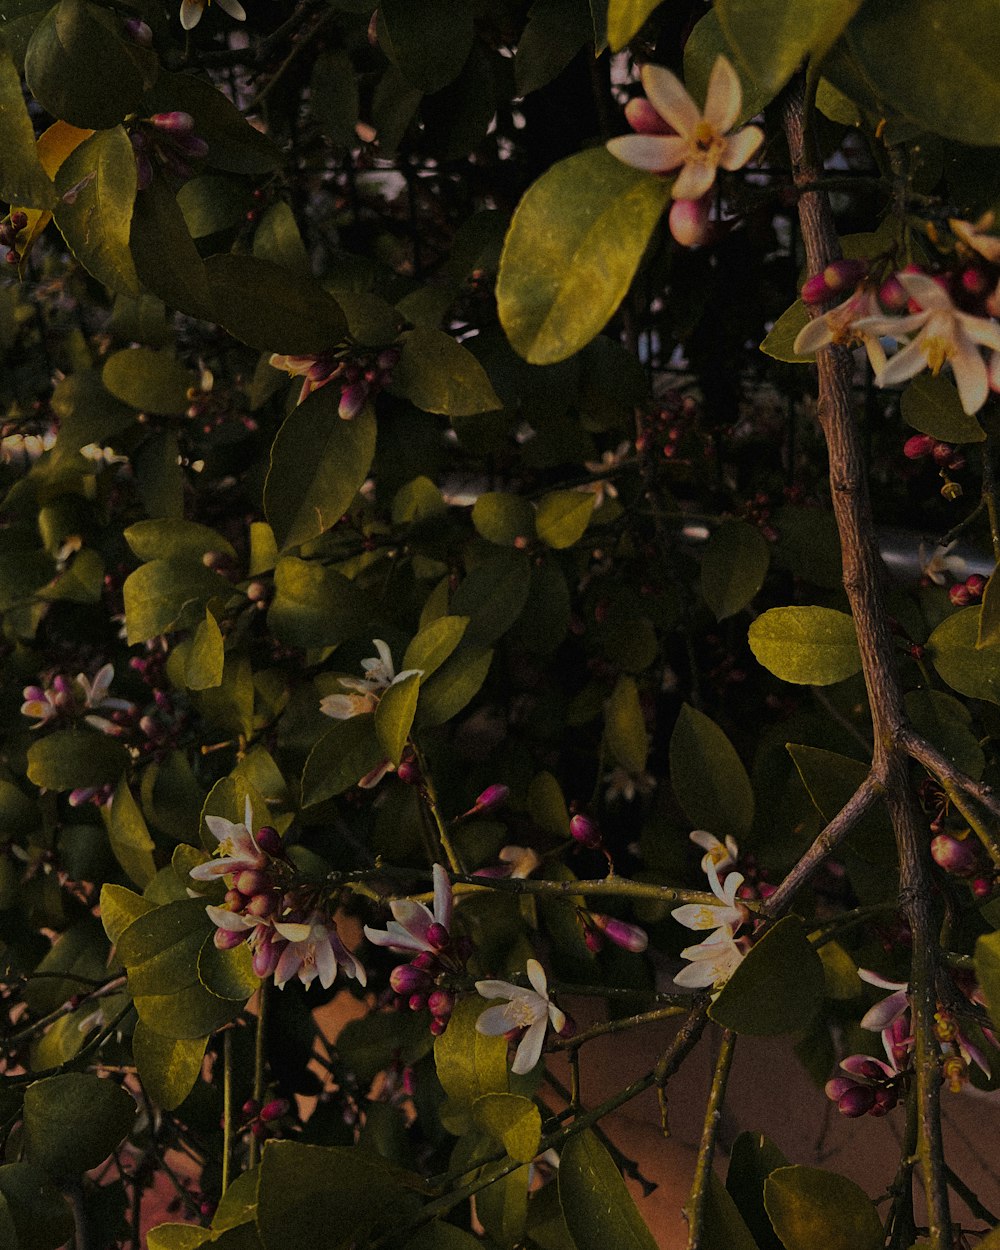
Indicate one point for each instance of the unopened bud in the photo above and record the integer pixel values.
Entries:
(228, 939)
(688, 221)
(974, 281)
(959, 595)
(954, 855)
(190, 146)
(265, 958)
(274, 1109)
(352, 400)
(491, 797)
(644, 119)
(438, 1025)
(585, 831)
(941, 453)
(892, 295)
(19, 220)
(627, 936)
(138, 32)
(175, 123)
(856, 1101)
(250, 1107)
(408, 772)
(417, 1002)
(441, 1002)
(975, 585)
(269, 840)
(405, 979)
(437, 936)
(918, 446)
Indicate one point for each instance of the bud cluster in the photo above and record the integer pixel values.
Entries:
(168, 139)
(871, 1088)
(10, 227)
(264, 1120)
(944, 455)
(361, 375)
(422, 984)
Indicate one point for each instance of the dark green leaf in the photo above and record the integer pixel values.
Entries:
(625, 727)
(434, 644)
(71, 758)
(228, 973)
(348, 751)
(394, 716)
(129, 837)
(777, 988)
(165, 540)
(562, 517)
(204, 664)
(168, 1067)
(233, 144)
(314, 606)
(453, 685)
(553, 34)
(470, 1064)
(150, 380)
(164, 253)
(596, 1204)
(439, 375)
(503, 518)
(429, 42)
(772, 37)
(572, 250)
(162, 593)
(733, 567)
(493, 596)
(946, 722)
(706, 42)
(119, 907)
(708, 776)
(23, 181)
(318, 464)
(809, 1207)
(931, 405)
(971, 670)
(73, 1121)
(333, 96)
(625, 19)
(513, 1120)
(725, 1227)
(784, 333)
(751, 1161)
(35, 1207)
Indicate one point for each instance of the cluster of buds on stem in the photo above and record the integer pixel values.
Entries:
(962, 594)
(169, 139)
(264, 1121)
(870, 1088)
(839, 277)
(361, 376)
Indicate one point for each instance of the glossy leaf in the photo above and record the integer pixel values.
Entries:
(234, 145)
(470, 1064)
(971, 670)
(777, 988)
(988, 971)
(119, 907)
(429, 42)
(725, 1227)
(394, 716)
(553, 34)
(453, 685)
(227, 974)
(626, 19)
(513, 1120)
(708, 776)
(99, 176)
(150, 380)
(314, 606)
(831, 781)
(598, 1209)
(810, 1207)
(74, 1120)
(783, 334)
(703, 47)
(274, 309)
(733, 567)
(562, 517)
(931, 405)
(810, 646)
(434, 644)
(493, 596)
(161, 594)
(751, 1161)
(168, 1067)
(437, 374)
(318, 464)
(163, 252)
(38, 1211)
(205, 661)
(947, 723)
(503, 518)
(772, 37)
(348, 751)
(152, 540)
(70, 758)
(23, 179)
(574, 244)
(129, 837)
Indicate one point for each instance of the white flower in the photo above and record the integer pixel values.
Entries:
(939, 562)
(975, 237)
(604, 487)
(411, 923)
(525, 1009)
(238, 850)
(944, 335)
(711, 915)
(842, 325)
(713, 961)
(191, 11)
(702, 142)
(625, 785)
(367, 690)
(717, 853)
(889, 1009)
(314, 950)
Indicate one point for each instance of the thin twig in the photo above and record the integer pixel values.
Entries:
(698, 1201)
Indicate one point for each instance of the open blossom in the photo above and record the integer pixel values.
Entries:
(721, 854)
(413, 926)
(366, 691)
(192, 10)
(702, 141)
(315, 371)
(975, 236)
(713, 961)
(314, 950)
(531, 1010)
(65, 697)
(843, 325)
(237, 851)
(939, 562)
(727, 912)
(943, 335)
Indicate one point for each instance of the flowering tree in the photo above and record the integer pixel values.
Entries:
(408, 558)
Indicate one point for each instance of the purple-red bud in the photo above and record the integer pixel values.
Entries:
(417, 1002)
(19, 220)
(352, 400)
(892, 295)
(644, 119)
(438, 1025)
(265, 958)
(190, 146)
(138, 32)
(143, 171)
(174, 123)
(227, 939)
(688, 221)
(627, 936)
(250, 1107)
(959, 595)
(493, 796)
(856, 1101)
(250, 882)
(274, 1109)
(405, 979)
(975, 585)
(954, 855)
(593, 940)
(441, 1002)
(585, 831)
(918, 446)
(408, 772)
(438, 936)
(269, 840)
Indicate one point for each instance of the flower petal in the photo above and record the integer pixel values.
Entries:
(904, 365)
(882, 1014)
(442, 896)
(694, 180)
(293, 932)
(529, 1049)
(495, 1021)
(812, 337)
(928, 294)
(191, 11)
(971, 376)
(670, 98)
(741, 147)
(723, 99)
(236, 10)
(536, 975)
(656, 153)
(499, 989)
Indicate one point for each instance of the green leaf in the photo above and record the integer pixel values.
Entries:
(314, 606)
(394, 716)
(168, 1067)
(840, 973)
(704, 45)
(274, 309)
(733, 567)
(773, 37)
(160, 949)
(493, 596)
(437, 374)
(778, 987)
(205, 661)
(163, 594)
(455, 683)
(129, 837)
(547, 805)
(434, 644)
(277, 237)
(470, 1064)
(234, 145)
(596, 1204)
(553, 34)
(929, 59)
(429, 42)
(35, 1207)
(971, 670)
(831, 781)
(151, 540)
(159, 475)
(439, 1236)
(751, 1161)
(348, 751)
(164, 253)
(97, 219)
(809, 646)
(79, 69)
(177, 1237)
(86, 412)
(238, 1205)
(370, 1044)
(318, 464)
(513, 1120)
(228, 973)
(725, 1227)
(119, 907)
(503, 518)
(989, 615)
(988, 972)
(23, 181)
(783, 334)
(946, 722)
(333, 97)
(74, 1120)
(69, 759)
(574, 244)
(708, 776)
(338, 1189)
(562, 517)
(931, 405)
(625, 726)
(626, 18)
(150, 380)
(809, 1207)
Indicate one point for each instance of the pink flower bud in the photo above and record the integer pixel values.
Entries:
(138, 32)
(269, 840)
(593, 940)
(438, 1025)
(250, 882)
(441, 1002)
(262, 905)
(250, 1107)
(843, 275)
(856, 1101)
(918, 446)
(959, 856)
(974, 281)
(266, 956)
(942, 453)
(959, 595)
(814, 290)
(274, 1109)
(405, 979)
(493, 796)
(425, 961)
(982, 887)
(408, 772)
(627, 936)
(644, 119)
(585, 831)
(176, 123)
(688, 221)
(975, 585)
(437, 936)
(885, 1100)
(19, 220)
(892, 295)
(352, 400)
(417, 1002)
(228, 939)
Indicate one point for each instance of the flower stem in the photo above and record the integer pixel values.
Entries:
(227, 1106)
(429, 795)
(698, 1201)
(258, 1061)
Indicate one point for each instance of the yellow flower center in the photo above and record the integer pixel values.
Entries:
(937, 350)
(522, 1013)
(706, 143)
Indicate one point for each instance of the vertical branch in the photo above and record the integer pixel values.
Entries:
(258, 1062)
(227, 1105)
(865, 584)
(698, 1202)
